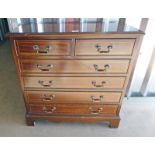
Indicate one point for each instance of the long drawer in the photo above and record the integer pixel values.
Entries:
(74, 82)
(44, 47)
(106, 47)
(74, 66)
(35, 97)
(105, 110)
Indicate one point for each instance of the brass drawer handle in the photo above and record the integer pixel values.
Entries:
(99, 48)
(96, 85)
(47, 98)
(95, 112)
(101, 70)
(47, 67)
(42, 51)
(100, 99)
(52, 109)
(45, 85)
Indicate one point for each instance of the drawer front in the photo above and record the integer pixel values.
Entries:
(74, 82)
(75, 66)
(35, 97)
(107, 110)
(44, 47)
(106, 47)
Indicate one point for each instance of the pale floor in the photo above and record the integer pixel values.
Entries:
(137, 114)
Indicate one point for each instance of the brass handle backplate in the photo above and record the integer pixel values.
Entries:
(44, 84)
(99, 48)
(47, 67)
(95, 112)
(97, 85)
(101, 70)
(49, 111)
(48, 98)
(100, 99)
(42, 51)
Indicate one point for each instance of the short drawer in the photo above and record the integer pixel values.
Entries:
(105, 110)
(35, 97)
(75, 66)
(74, 82)
(105, 47)
(44, 47)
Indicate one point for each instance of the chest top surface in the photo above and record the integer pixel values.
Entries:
(68, 25)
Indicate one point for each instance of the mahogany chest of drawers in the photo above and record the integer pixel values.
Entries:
(74, 76)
